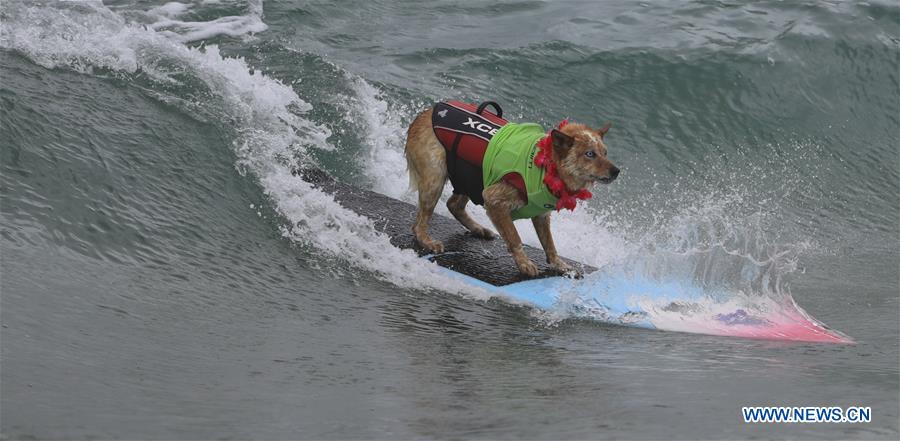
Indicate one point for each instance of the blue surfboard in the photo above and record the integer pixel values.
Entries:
(607, 295)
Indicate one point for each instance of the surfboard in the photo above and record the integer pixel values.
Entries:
(611, 297)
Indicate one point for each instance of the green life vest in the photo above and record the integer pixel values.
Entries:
(512, 150)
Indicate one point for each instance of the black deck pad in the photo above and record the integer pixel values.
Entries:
(485, 260)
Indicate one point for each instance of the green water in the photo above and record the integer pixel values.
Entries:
(165, 277)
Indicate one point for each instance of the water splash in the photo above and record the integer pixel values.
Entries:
(708, 263)
(272, 136)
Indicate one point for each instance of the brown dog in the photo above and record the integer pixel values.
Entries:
(578, 152)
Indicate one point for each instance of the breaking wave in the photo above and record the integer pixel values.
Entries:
(713, 234)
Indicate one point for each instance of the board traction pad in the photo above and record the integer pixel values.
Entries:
(485, 260)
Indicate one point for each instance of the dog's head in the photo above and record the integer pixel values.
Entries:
(580, 155)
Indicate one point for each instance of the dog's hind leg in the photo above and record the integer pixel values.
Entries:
(457, 206)
(427, 162)
(429, 194)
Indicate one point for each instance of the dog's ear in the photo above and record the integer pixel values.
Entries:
(561, 142)
(602, 130)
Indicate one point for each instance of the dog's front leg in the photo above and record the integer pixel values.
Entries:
(500, 200)
(542, 227)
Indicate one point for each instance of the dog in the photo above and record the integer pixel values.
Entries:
(522, 171)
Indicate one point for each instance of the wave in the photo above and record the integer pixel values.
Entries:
(164, 19)
(271, 136)
(696, 235)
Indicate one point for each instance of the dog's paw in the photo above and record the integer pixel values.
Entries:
(435, 246)
(561, 266)
(527, 267)
(565, 269)
(484, 233)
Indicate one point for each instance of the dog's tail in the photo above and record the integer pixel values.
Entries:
(413, 139)
(413, 174)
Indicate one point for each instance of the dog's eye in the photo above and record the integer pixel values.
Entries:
(590, 154)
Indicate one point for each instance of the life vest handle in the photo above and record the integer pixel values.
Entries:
(482, 106)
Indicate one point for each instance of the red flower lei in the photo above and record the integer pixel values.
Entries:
(544, 158)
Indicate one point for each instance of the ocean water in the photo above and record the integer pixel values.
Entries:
(165, 276)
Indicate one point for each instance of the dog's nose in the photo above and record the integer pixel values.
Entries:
(614, 172)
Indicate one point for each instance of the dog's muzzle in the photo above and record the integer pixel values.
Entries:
(613, 174)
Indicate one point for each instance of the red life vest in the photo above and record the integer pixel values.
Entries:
(465, 130)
